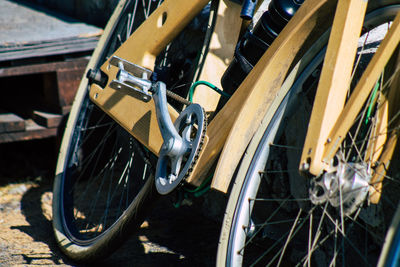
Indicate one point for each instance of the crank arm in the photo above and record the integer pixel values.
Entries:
(173, 145)
(137, 116)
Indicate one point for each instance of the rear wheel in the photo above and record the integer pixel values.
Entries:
(104, 179)
(275, 216)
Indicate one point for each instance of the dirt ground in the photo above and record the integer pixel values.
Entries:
(169, 237)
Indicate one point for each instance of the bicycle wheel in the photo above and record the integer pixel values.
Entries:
(104, 178)
(390, 255)
(272, 217)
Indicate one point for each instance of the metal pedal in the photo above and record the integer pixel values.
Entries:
(132, 68)
(132, 78)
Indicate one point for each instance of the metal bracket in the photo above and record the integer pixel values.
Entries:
(132, 68)
(132, 78)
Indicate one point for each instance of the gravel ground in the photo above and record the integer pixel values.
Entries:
(169, 236)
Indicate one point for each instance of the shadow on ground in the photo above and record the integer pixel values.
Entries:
(169, 237)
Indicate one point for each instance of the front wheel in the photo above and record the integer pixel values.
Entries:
(275, 216)
(104, 184)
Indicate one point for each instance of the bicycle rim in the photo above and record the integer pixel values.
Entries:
(273, 221)
(106, 175)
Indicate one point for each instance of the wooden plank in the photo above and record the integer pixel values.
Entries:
(60, 81)
(32, 131)
(10, 122)
(68, 81)
(76, 64)
(48, 120)
(28, 30)
(84, 45)
(22, 22)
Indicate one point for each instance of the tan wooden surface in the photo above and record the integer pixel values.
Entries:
(234, 125)
(220, 53)
(141, 48)
(363, 89)
(386, 151)
(335, 79)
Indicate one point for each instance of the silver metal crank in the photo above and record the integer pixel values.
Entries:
(182, 140)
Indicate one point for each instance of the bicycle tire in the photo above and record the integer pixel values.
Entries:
(268, 195)
(390, 256)
(104, 184)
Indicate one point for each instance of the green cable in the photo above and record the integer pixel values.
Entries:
(179, 201)
(204, 184)
(216, 89)
(202, 192)
(371, 105)
(197, 192)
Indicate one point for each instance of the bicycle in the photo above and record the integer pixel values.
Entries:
(331, 212)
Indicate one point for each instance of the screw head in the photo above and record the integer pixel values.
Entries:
(305, 166)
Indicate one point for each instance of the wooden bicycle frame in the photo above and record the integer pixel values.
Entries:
(233, 127)
(331, 119)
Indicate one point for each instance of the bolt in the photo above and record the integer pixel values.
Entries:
(172, 177)
(305, 166)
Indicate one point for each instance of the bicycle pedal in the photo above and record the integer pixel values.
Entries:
(132, 78)
(135, 70)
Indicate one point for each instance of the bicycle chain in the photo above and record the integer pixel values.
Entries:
(203, 134)
(199, 148)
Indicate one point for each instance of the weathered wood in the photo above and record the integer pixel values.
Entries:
(60, 81)
(48, 120)
(57, 48)
(10, 122)
(74, 64)
(32, 131)
(28, 31)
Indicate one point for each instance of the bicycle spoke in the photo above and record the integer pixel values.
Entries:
(284, 146)
(106, 176)
(290, 236)
(262, 226)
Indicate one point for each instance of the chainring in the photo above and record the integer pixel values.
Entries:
(166, 181)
